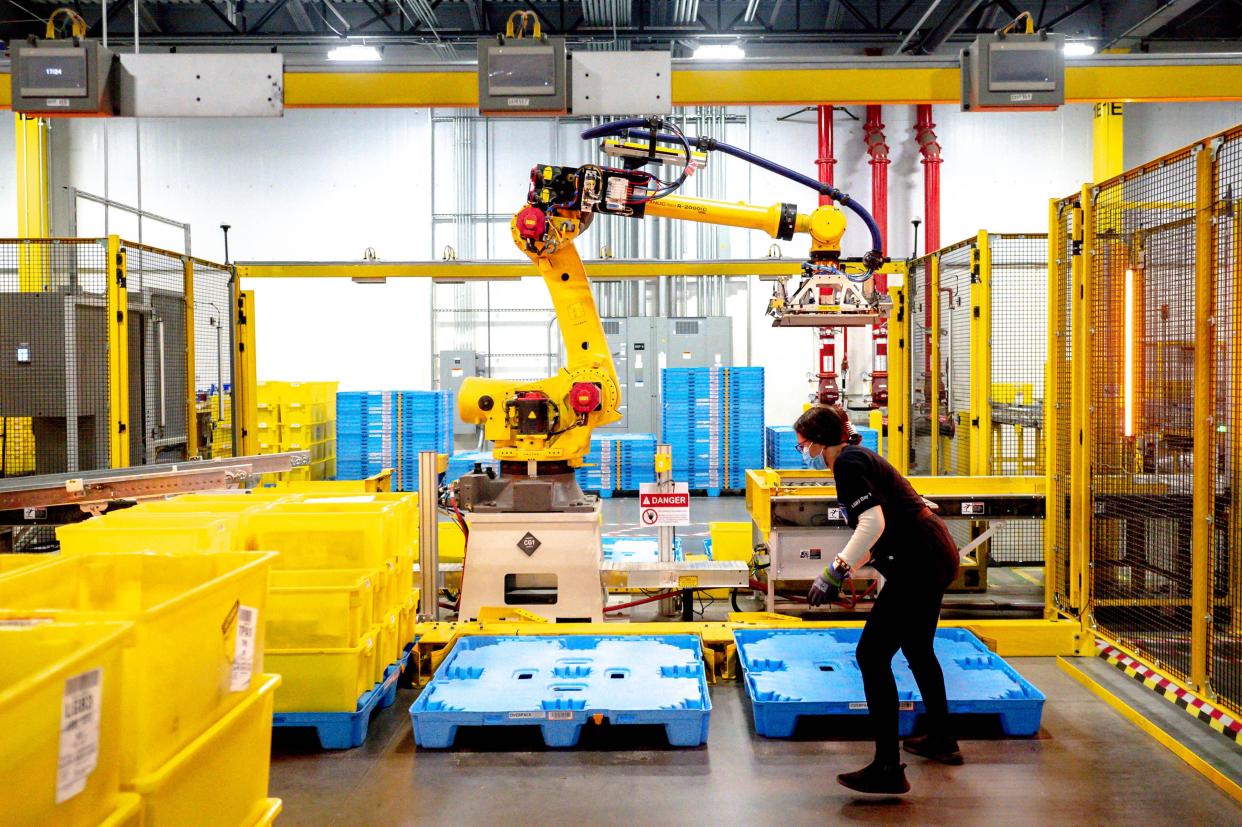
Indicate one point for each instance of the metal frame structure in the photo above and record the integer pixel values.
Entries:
(890, 80)
(1152, 502)
(122, 260)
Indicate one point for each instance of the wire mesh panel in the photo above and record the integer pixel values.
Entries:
(158, 380)
(1141, 267)
(54, 411)
(920, 370)
(1225, 631)
(1061, 350)
(213, 351)
(1019, 333)
(953, 456)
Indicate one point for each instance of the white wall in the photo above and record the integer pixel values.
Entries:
(1155, 129)
(325, 184)
(314, 185)
(8, 182)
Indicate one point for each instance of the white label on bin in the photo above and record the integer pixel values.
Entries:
(561, 715)
(526, 716)
(243, 651)
(79, 733)
(857, 705)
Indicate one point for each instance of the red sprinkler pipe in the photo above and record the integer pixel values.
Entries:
(929, 147)
(827, 391)
(825, 161)
(877, 148)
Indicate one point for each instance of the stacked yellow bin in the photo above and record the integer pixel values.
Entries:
(342, 595)
(55, 679)
(195, 707)
(299, 416)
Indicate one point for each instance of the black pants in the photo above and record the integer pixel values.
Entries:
(905, 617)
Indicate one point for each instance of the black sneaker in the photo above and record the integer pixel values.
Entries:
(943, 750)
(874, 779)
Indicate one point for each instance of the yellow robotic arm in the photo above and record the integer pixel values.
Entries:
(550, 421)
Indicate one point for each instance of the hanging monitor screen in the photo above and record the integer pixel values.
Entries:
(521, 70)
(1023, 66)
(55, 72)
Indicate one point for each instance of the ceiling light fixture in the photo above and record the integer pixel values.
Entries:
(1079, 48)
(355, 52)
(719, 51)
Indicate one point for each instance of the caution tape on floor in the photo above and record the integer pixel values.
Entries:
(1217, 719)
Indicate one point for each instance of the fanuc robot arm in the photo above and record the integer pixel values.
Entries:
(549, 422)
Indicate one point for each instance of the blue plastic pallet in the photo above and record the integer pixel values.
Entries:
(346, 730)
(791, 673)
(559, 683)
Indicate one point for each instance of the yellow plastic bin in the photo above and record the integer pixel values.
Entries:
(452, 543)
(731, 541)
(408, 619)
(43, 668)
(189, 613)
(128, 812)
(324, 680)
(16, 562)
(142, 531)
(220, 778)
(387, 649)
(321, 540)
(320, 608)
(272, 808)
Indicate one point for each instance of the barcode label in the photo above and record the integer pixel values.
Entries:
(79, 733)
(243, 649)
(561, 715)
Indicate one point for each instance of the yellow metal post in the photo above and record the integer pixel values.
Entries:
(933, 355)
(899, 426)
(1052, 408)
(118, 354)
(191, 374)
(31, 151)
(1084, 363)
(981, 357)
(1203, 486)
(1235, 429)
(1079, 476)
(245, 404)
(1107, 141)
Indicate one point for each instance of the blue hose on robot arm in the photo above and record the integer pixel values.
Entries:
(641, 128)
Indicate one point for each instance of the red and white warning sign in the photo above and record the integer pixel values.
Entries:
(660, 508)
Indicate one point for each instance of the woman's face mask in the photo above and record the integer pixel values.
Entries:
(815, 462)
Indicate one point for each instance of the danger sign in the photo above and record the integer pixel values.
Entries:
(664, 508)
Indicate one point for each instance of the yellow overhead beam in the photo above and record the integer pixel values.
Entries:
(483, 271)
(1124, 78)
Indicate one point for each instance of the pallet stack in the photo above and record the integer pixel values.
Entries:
(343, 607)
(713, 419)
(617, 462)
(388, 429)
(299, 416)
(141, 695)
(780, 448)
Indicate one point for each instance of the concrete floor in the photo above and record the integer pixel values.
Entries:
(1087, 766)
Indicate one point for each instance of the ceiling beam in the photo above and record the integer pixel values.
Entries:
(301, 20)
(1165, 13)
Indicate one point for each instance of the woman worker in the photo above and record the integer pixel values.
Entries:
(903, 540)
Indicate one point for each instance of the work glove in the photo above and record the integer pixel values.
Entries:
(825, 589)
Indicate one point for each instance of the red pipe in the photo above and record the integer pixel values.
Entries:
(929, 147)
(877, 148)
(825, 161)
(827, 392)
